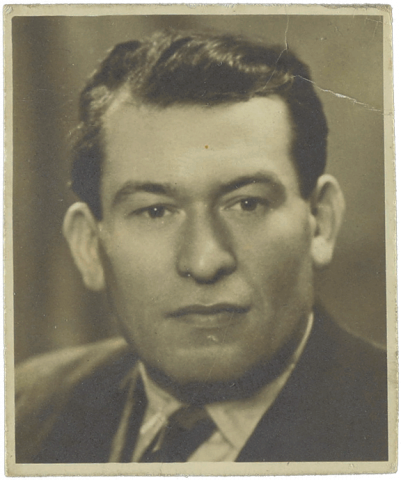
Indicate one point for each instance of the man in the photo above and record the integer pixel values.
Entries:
(204, 213)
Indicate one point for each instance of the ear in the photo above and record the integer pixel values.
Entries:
(328, 205)
(81, 232)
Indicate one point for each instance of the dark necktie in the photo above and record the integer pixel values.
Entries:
(185, 432)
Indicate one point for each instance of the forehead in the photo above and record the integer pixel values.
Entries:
(181, 143)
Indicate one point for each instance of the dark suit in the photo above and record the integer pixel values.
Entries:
(333, 408)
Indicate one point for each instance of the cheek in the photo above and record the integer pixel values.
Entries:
(281, 275)
(138, 259)
(279, 253)
(135, 273)
(134, 290)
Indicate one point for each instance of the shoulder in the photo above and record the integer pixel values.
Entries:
(46, 374)
(45, 383)
(333, 407)
(344, 354)
(347, 380)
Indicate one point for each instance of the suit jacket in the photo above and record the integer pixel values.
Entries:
(333, 408)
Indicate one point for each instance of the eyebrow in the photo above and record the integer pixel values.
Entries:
(256, 178)
(130, 187)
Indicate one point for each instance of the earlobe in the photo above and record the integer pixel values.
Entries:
(327, 206)
(81, 232)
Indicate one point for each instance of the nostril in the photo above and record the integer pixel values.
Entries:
(210, 276)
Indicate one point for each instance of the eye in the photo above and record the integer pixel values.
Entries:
(157, 211)
(249, 204)
(153, 212)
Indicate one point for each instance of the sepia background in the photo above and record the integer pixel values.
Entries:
(52, 57)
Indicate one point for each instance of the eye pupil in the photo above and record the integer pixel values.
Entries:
(249, 204)
(156, 212)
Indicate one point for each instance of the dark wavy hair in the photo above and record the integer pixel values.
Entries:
(195, 68)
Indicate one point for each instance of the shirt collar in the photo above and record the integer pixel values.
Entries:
(160, 403)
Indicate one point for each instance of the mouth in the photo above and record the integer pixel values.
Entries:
(210, 316)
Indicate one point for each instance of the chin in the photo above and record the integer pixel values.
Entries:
(216, 367)
(212, 380)
(209, 375)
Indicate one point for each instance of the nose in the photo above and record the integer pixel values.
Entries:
(205, 253)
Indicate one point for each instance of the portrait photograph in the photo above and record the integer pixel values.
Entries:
(200, 255)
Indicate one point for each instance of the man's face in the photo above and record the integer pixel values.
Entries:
(206, 238)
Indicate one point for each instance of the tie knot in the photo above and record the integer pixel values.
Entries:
(185, 432)
(188, 416)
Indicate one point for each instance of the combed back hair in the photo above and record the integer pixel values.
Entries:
(173, 68)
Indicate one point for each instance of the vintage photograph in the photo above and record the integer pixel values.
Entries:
(200, 240)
